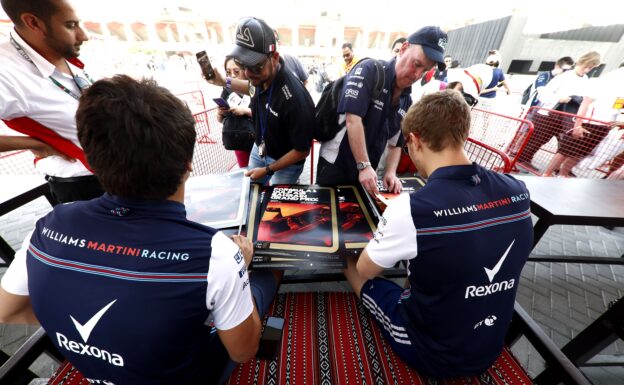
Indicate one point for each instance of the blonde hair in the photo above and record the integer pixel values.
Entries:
(591, 59)
(441, 120)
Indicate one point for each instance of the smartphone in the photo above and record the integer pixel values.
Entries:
(271, 339)
(221, 102)
(204, 64)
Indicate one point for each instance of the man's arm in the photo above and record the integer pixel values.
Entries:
(16, 309)
(242, 341)
(37, 147)
(366, 268)
(578, 130)
(390, 180)
(357, 143)
(291, 157)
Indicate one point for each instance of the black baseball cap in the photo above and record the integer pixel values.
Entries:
(254, 41)
(433, 41)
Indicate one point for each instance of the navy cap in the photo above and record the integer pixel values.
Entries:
(254, 41)
(433, 41)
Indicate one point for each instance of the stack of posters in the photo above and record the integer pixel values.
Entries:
(358, 225)
(295, 227)
(218, 200)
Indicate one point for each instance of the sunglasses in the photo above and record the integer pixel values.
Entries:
(256, 69)
(346, 55)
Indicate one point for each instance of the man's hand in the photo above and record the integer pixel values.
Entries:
(240, 111)
(368, 179)
(43, 150)
(392, 183)
(218, 80)
(256, 173)
(579, 131)
(245, 245)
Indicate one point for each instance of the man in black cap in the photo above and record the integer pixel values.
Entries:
(281, 107)
(371, 124)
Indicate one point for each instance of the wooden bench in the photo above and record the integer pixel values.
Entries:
(329, 338)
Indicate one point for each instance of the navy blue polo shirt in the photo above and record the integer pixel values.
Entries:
(466, 236)
(381, 121)
(290, 116)
(129, 291)
(497, 77)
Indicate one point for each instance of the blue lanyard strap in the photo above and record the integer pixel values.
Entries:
(69, 92)
(264, 119)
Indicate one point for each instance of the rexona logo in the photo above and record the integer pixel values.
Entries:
(85, 349)
(493, 287)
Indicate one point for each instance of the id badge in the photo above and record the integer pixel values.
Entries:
(262, 149)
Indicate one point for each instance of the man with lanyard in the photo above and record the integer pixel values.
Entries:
(41, 80)
(281, 108)
(354, 154)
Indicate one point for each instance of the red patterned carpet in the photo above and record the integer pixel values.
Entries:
(328, 339)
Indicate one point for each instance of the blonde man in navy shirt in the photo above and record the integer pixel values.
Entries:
(465, 236)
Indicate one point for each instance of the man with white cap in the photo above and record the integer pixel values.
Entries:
(371, 124)
(281, 107)
(498, 78)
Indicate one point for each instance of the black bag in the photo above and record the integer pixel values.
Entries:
(238, 133)
(326, 124)
(526, 94)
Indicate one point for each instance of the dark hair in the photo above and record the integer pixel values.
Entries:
(43, 9)
(227, 59)
(441, 120)
(347, 45)
(400, 40)
(565, 60)
(137, 136)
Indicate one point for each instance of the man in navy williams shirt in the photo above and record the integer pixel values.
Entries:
(370, 125)
(128, 289)
(466, 236)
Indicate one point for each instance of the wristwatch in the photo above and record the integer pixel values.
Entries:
(268, 170)
(362, 165)
(251, 90)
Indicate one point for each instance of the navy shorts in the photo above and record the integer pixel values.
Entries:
(382, 299)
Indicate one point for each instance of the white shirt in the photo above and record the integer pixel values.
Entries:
(27, 91)
(561, 86)
(606, 91)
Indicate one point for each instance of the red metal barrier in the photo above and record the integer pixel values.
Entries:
(487, 156)
(506, 134)
(210, 157)
(194, 100)
(555, 148)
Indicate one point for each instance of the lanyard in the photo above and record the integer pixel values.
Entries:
(264, 119)
(69, 92)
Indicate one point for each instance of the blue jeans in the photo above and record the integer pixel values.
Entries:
(288, 175)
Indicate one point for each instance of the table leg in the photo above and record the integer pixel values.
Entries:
(6, 253)
(539, 230)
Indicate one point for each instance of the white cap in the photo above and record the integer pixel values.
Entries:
(473, 79)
